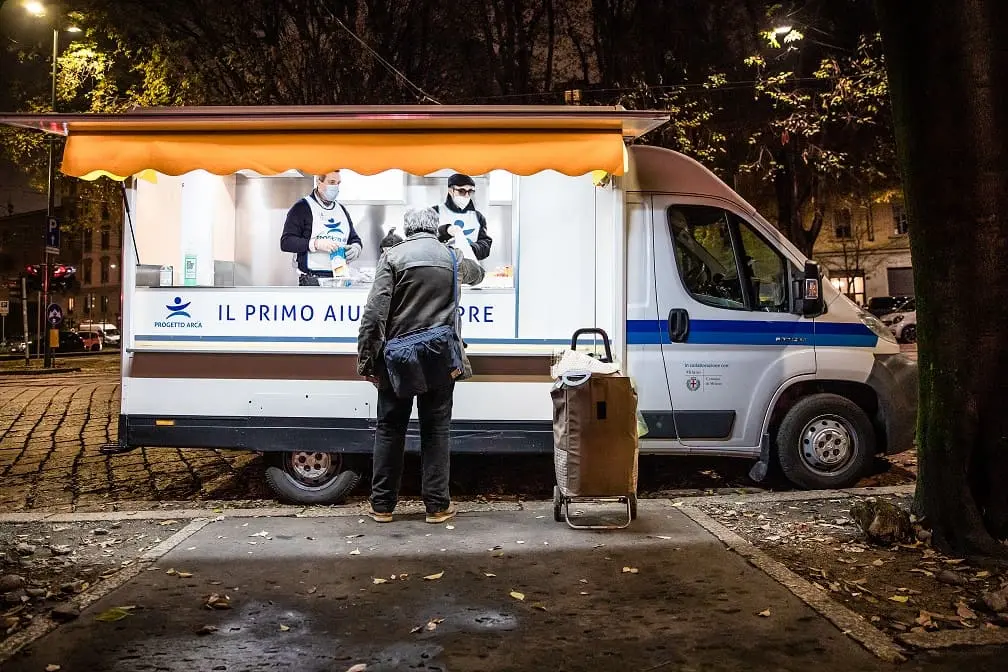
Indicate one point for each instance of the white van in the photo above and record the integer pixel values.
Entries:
(735, 344)
(109, 332)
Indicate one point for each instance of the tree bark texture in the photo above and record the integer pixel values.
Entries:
(947, 65)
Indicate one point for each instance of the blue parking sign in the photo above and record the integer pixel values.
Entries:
(52, 236)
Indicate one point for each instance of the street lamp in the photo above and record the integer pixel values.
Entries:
(38, 10)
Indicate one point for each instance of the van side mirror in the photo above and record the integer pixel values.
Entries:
(811, 302)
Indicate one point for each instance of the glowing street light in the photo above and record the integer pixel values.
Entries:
(35, 8)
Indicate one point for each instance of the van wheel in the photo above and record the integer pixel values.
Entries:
(95, 348)
(825, 441)
(312, 477)
(910, 334)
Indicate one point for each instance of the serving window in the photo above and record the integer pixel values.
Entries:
(203, 230)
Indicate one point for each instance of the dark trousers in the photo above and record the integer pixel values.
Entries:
(434, 409)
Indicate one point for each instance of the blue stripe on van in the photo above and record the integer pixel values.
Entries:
(746, 332)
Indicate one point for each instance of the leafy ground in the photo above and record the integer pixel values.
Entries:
(901, 588)
(44, 565)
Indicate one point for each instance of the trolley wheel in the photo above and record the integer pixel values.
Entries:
(557, 504)
(633, 506)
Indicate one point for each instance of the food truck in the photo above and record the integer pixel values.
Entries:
(735, 344)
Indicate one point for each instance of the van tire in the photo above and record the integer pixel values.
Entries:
(909, 334)
(825, 441)
(336, 479)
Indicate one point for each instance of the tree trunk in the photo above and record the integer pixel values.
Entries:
(946, 63)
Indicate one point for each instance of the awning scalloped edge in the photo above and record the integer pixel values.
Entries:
(118, 156)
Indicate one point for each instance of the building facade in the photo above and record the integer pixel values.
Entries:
(865, 249)
(99, 298)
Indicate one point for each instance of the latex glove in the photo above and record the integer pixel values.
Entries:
(352, 251)
(461, 243)
(323, 244)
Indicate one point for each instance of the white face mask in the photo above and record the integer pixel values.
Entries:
(461, 202)
(330, 192)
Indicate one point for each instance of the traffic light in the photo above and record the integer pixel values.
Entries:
(33, 278)
(62, 278)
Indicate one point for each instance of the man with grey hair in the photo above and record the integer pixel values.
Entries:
(414, 289)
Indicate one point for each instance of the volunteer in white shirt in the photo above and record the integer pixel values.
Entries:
(316, 226)
(458, 210)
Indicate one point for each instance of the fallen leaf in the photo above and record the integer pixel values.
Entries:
(584, 593)
(878, 563)
(114, 614)
(354, 536)
(630, 570)
(313, 590)
(434, 577)
(217, 601)
(982, 575)
(499, 554)
(677, 504)
(519, 542)
(416, 629)
(955, 561)
(449, 527)
(662, 536)
(355, 551)
(518, 596)
(489, 575)
(184, 575)
(539, 605)
(922, 571)
(582, 580)
(207, 630)
(171, 572)
(900, 598)
(53, 668)
(965, 612)
(765, 613)
(359, 667)
(165, 523)
(284, 628)
(925, 619)
(378, 581)
(262, 534)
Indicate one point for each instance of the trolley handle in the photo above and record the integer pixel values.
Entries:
(598, 332)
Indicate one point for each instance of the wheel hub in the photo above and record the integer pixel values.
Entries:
(310, 467)
(827, 444)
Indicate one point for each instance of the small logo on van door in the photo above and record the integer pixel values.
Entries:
(692, 383)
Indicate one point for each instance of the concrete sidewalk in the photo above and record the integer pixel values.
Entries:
(663, 594)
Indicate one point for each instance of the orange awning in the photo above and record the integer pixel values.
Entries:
(90, 155)
(368, 140)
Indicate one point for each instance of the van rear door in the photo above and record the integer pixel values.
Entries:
(729, 338)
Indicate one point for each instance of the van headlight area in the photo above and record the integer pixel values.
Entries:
(877, 327)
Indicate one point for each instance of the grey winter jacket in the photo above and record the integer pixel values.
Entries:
(412, 290)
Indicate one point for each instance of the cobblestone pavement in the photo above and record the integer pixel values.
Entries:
(51, 428)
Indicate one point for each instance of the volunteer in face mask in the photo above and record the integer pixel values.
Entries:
(320, 232)
(458, 210)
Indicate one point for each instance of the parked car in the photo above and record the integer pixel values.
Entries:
(109, 332)
(92, 340)
(17, 347)
(884, 305)
(903, 322)
(70, 342)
